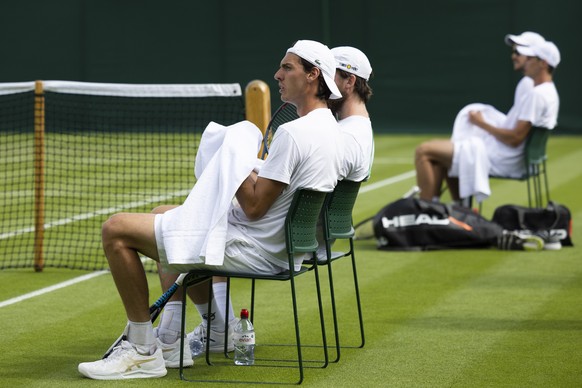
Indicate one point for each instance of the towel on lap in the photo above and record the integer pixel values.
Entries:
(471, 165)
(462, 127)
(195, 232)
(471, 157)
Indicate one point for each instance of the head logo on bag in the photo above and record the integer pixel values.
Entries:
(413, 219)
(414, 224)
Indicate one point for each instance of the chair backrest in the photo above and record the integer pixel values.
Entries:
(338, 208)
(301, 221)
(535, 146)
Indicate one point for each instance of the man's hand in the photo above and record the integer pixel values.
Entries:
(476, 118)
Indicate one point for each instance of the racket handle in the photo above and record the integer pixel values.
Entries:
(155, 310)
(122, 337)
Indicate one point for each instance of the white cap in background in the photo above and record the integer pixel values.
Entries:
(547, 51)
(524, 39)
(353, 61)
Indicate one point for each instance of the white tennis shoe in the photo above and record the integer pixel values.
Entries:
(515, 241)
(125, 363)
(216, 338)
(171, 353)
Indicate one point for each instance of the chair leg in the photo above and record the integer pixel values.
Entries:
(227, 314)
(357, 288)
(333, 305)
(183, 330)
(538, 187)
(546, 181)
(528, 190)
(297, 335)
(209, 323)
(321, 317)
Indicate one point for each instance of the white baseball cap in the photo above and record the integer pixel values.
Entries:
(547, 51)
(353, 61)
(524, 39)
(320, 56)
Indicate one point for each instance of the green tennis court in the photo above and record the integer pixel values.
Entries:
(477, 318)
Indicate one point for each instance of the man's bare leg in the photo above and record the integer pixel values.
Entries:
(432, 158)
(123, 236)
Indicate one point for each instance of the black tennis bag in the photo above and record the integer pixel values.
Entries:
(415, 224)
(554, 219)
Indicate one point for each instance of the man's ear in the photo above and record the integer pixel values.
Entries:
(313, 73)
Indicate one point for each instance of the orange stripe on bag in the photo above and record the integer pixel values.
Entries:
(460, 223)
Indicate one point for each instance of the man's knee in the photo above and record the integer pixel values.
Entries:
(421, 151)
(112, 227)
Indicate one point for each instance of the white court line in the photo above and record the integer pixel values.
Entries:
(367, 188)
(388, 181)
(46, 290)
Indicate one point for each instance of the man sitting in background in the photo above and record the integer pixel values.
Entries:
(484, 140)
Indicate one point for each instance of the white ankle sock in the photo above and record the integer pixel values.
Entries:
(218, 308)
(170, 323)
(219, 305)
(141, 335)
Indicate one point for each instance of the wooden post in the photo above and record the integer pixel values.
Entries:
(39, 176)
(258, 105)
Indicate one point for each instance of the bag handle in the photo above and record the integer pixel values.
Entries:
(551, 207)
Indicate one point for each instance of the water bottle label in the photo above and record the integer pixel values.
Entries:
(244, 339)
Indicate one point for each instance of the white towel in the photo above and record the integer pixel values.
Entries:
(471, 157)
(195, 232)
(473, 168)
(211, 140)
(464, 129)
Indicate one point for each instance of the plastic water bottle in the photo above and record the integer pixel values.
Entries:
(196, 346)
(196, 343)
(244, 340)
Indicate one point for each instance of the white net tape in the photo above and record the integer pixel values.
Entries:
(127, 90)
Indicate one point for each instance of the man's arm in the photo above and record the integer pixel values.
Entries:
(510, 137)
(256, 195)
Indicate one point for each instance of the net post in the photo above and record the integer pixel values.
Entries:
(258, 104)
(39, 175)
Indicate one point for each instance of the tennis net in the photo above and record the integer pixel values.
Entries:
(72, 154)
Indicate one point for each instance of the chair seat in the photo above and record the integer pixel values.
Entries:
(285, 275)
(323, 260)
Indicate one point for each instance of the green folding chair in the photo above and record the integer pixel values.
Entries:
(337, 224)
(535, 157)
(535, 164)
(300, 237)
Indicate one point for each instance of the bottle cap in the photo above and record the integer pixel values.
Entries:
(244, 314)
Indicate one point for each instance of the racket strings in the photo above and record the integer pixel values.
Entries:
(285, 113)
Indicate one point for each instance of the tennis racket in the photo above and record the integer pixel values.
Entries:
(285, 113)
(155, 310)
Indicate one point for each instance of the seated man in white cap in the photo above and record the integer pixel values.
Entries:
(353, 71)
(447, 159)
(304, 153)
